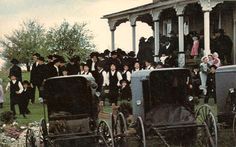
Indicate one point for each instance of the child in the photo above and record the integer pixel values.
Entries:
(113, 81)
(126, 74)
(16, 89)
(203, 74)
(137, 66)
(1, 94)
(196, 82)
(25, 96)
(125, 91)
(211, 85)
(86, 70)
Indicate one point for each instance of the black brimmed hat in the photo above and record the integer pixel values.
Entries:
(14, 61)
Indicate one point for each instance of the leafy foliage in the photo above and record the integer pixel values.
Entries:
(25, 41)
(65, 39)
(70, 40)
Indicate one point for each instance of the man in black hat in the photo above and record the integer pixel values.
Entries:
(211, 84)
(53, 71)
(73, 66)
(167, 49)
(114, 60)
(16, 70)
(101, 84)
(41, 76)
(34, 75)
(223, 46)
(92, 64)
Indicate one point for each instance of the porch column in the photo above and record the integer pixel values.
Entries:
(134, 38)
(156, 19)
(220, 20)
(207, 6)
(133, 25)
(112, 25)
(180, 13)
(207, 49)
(112, 40)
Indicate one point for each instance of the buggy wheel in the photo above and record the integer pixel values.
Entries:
(105, 132)
(234, 127)
(44, 132)
(120, 128)
(30, 138)
(113, 123)
(141, 131)
(205, 116)
(121, 125)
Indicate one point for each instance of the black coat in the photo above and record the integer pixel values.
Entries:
(34, 74)
(52, 71)
(42, 69)
(125, 93)
(89, 63)
(16, 70)
(73, 69)
(166, 51)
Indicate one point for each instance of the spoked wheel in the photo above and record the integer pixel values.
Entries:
(113, 123)
(234, 127)
(120, 128)
(205, 116)
(105, 132)
(30, 138)
(141, 131)
(44, 132)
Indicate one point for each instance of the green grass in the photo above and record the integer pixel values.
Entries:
(36, 108)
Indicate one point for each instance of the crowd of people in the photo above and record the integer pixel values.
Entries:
(112, 70)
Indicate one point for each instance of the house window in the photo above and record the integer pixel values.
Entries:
(167, 27)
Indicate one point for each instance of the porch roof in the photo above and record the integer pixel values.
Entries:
(147, 8)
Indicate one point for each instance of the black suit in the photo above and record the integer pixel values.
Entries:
(73, 69)
(95, 71)
(34, 80)
(53, 72)
(167, 50)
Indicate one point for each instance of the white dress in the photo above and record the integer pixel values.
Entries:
(203, 77)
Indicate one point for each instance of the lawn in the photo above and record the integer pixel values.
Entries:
(36, 108)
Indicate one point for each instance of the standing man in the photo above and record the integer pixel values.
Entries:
(16, 70)
(101, 84)
(34, 76)
(223, 46)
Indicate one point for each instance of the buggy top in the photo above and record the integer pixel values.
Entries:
(71, 99)
(162, 96)
(225, 80)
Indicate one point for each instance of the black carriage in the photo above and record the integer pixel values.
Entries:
(164, 112)
(226, 99)
(72, 115)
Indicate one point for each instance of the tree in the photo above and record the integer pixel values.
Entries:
(70, 40)
(23, 42)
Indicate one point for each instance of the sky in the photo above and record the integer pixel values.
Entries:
(53, 12)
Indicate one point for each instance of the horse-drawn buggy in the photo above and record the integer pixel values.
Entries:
(164, 113)
(72, 115)
(226, 100)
